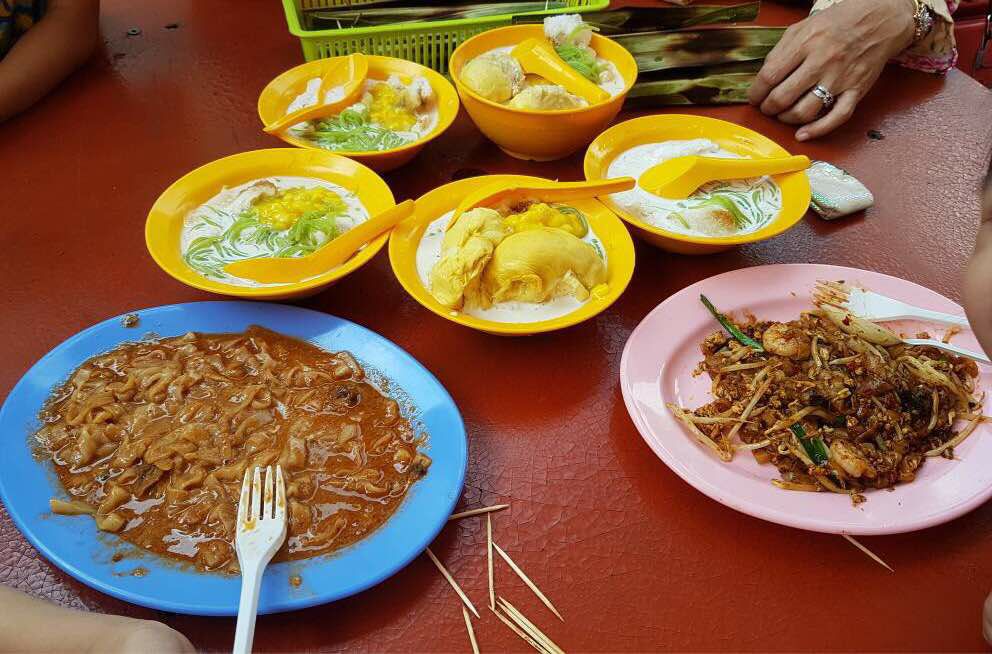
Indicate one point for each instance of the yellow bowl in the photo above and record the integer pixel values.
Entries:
(731, 137)
(165, 220)
(538, 135)
(280, 92)
(405, 239)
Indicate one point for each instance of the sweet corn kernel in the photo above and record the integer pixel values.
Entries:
(282, 210)
(387, 109)
(540, 214)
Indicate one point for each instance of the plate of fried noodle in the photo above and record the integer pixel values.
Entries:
(803, 414)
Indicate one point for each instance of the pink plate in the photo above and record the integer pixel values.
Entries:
(657, 365)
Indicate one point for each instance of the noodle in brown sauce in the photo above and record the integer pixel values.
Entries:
(153, 439)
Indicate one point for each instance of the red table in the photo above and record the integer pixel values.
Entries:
(635, 559)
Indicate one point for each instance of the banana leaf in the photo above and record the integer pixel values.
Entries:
(357, 16)
(661, 50)
(364, 4)
(651, 19)
(719, 84)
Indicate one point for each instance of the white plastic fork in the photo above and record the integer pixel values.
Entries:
(879, 308)
(829, 296)
(947, 347)
(261, 531)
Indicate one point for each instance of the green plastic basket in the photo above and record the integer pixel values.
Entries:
(430, 44)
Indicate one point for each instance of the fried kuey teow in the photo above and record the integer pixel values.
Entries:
(834, 402)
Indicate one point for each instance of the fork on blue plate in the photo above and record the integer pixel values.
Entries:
(261, 532)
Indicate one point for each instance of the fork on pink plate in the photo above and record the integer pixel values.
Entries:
(879, 308)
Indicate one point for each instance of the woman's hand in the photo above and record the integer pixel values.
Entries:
(843, 48)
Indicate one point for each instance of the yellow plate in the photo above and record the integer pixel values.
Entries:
(731, 137)
(538, 135)
(165, 220)
(279, 93)
(406, 237)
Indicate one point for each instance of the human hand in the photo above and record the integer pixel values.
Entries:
(131, 636)
(843, 48)
(987, 619)
(978, 297)
(26, 626)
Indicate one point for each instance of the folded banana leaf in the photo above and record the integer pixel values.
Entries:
(652, 19)
(364, 4)
(661, 50)
(364, 16)
(719, 84)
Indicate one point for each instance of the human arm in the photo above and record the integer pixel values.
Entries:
(844, 47)
(43, 56)
(978, 277)
(29, 625)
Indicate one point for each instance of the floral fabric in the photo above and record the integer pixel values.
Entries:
(938, 52)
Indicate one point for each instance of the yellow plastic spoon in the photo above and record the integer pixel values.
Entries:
(679, 178)
(550, 192)
(538, 57)
(349, 72)
(285, 270)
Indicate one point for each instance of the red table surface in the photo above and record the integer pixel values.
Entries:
(634, 558)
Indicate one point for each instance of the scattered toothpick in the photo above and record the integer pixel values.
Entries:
(514, 614)
(472, 512)
(515, 629)
(530, 584)
(489, 560)
(867, 551)
(454, 584)
(503, 610)
(471, 632)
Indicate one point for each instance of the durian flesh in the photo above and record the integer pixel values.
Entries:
(466, 249)
(484, 262)
(546, 97)
(495, 76)
(540, 264)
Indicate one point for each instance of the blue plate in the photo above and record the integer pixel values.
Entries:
(74, 544)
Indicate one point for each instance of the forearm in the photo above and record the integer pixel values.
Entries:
(937, 52)
(47, 53)
(30, 625)
(978, 279)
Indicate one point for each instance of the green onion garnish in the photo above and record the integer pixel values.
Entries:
(815, 448)
(731, 328)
